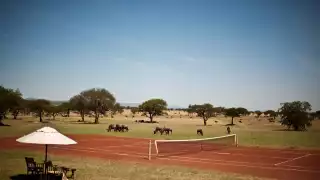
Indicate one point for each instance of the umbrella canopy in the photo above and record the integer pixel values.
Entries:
(46, 135)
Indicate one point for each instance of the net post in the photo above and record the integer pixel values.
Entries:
(149, 155)
(156, 145)
(236, 140)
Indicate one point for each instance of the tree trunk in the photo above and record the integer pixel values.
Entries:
(40, 115)
(1, 117)
(232, 121)
(96, 117)
(82, 115)
(53, 116)
(205, 122)
(151, 118)
(68, 113)
(15, 113)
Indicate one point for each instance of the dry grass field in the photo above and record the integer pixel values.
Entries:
(251, 131)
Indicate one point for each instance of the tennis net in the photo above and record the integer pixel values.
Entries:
(187, 146)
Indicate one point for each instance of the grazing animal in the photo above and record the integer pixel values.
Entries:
(124, 128)
(117, 128)
(166, 130)
(111, 127)
(157, 129)
(200, 132)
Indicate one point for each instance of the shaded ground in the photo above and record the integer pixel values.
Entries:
(262, 162)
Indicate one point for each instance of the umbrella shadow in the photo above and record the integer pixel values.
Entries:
(24, 177)
(1, 124)
(33, 177)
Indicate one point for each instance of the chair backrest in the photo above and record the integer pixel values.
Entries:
(30, 162)
(49, 164)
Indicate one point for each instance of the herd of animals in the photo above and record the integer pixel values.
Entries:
(161, 130)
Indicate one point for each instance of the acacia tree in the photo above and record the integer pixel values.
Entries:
(295, 114)
(117, 108)
(258, 113)
(53, 110)
(190, 110)
(205, 111)
(134, 110)
(219, 110)
(271, 113)
(10, 100)
(79, 104)
(232, 112)
(242, 111)
(317, 114)
(39, 106)
(16, 102)
(65, 108)
(152, 108)
(99, 101)
(18, 108)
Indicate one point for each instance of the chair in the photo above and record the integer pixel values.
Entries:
(66, 170)
(33, 167)
(53, 169)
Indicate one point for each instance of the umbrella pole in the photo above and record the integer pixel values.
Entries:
(45, 162)
(45, 159)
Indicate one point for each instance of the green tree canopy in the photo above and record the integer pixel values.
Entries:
(317, 114)
(219, 110)
(53, 110)
(39, 106)
(153, 107)
(242, 111)
(295, 115)
(9, 100)
(205, 111)
(66, 108)
(117, 108)
(271, 113)
(258, 113)
(232, 112)
(79, 103)
(99, 101)
(134, 110)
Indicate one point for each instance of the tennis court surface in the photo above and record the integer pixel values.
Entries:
(219, 155)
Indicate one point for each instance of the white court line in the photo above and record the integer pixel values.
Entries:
(248, 166)
(257, 150)
(201, 161)
(215, 160)
(179, 157)
(128, 145)
(96, 150)
(93, 151)
(292, 159)
(302, 167)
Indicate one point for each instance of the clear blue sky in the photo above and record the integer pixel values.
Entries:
(255, 54)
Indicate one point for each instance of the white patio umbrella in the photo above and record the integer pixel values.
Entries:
(46, 136)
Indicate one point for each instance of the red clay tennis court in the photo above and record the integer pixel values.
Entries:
(262, 162)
